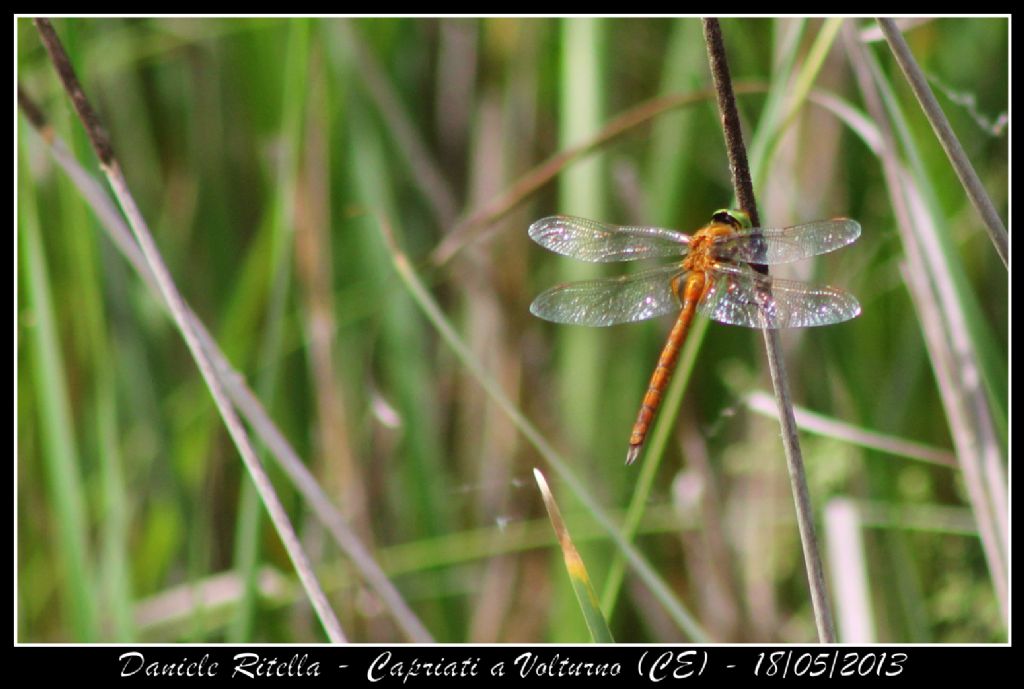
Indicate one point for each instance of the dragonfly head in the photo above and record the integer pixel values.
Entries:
(735, 218)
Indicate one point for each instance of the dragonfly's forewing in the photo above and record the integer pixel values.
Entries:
(769, 246)
(589, 240)
(740, 296)
(610, 301)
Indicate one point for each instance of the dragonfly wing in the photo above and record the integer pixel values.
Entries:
(769, 246)
(740, 296)
(589, 240)
(610, 301)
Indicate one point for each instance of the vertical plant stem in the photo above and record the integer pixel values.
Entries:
(61, 462)
(740, 171)
(108, 162)
(947, 138)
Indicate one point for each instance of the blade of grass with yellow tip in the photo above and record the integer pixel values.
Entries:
(581, 586)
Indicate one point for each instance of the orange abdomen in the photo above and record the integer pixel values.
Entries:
(693, 291)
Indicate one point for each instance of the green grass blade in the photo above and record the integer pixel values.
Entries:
(56, 426)
(247, 531)
(585, 596)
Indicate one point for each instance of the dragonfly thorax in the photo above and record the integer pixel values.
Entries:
(699, 257)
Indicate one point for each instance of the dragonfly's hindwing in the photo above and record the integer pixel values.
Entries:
(740, 296)
(610, 301)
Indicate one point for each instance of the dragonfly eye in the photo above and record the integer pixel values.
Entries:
(734, 218)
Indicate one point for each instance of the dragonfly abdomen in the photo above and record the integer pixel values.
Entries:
(691, 294)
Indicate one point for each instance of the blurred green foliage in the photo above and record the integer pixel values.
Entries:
(258, 150)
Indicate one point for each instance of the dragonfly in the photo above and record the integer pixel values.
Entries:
(714, 276)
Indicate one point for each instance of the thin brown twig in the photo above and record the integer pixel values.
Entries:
(104, 150)
(734, 147)
(794, 457)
